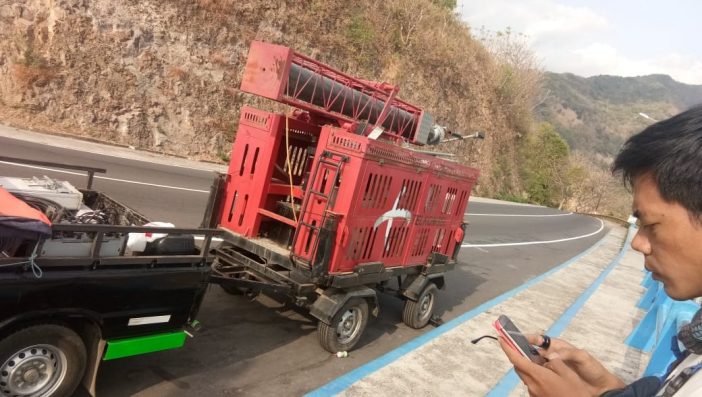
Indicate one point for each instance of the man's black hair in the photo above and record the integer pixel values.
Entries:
(671, 150)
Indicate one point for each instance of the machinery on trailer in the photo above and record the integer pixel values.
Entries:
(330, 203)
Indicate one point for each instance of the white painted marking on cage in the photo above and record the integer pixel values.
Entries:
(375, 134)
(149, 320)
(536, 242)
(524, 215)
(395, 212)
(106, 178)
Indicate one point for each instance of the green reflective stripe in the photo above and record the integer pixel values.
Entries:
(119, 348)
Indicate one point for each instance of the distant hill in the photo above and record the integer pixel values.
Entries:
(596, 114)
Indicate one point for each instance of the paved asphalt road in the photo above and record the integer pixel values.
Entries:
(264, 347)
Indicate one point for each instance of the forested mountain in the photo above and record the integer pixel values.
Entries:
(596, 114)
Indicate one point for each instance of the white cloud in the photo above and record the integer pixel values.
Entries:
(562, 20)
(600, 58)
(681, 67)
(574, 39)
(538, 19)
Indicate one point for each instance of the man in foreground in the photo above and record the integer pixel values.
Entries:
(663, 166)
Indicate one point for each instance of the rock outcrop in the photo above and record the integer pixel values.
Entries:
(164, 74)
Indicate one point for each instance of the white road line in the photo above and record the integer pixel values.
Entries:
(128, 152)
(536, 242)
(107, 179)
(526, 215)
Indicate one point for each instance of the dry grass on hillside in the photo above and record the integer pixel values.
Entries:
(164, 74)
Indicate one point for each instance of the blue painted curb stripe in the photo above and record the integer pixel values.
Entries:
(644, 334)
(341, 383)
(510, 380)
(648, 298)
(643, 337)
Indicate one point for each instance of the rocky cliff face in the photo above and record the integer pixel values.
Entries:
(127, 72)
(164, 74)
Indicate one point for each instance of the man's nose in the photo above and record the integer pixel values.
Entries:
(640, 243)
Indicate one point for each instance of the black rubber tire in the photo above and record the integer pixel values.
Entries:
(328, 336)
(412, 314)
(62, 338)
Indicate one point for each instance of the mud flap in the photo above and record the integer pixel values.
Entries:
(415, 286)
(332, 300)
(95, 352)
(433, 272)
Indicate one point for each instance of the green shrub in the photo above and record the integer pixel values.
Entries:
(360, 32)
(544, 159)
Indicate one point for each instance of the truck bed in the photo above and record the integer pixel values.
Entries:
(83, 276)
(87, 269)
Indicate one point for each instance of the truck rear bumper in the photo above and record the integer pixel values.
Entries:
(127, 347)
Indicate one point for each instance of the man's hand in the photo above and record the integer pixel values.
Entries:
(597, 378)
(569, 371)
(554, 378)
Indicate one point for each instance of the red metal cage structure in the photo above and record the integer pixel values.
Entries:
(329, 202)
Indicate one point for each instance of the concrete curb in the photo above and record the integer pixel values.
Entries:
(510, 381)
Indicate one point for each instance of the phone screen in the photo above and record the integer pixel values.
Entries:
(516, 339)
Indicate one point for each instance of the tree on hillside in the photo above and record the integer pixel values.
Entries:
(546, 170)
(519, 76)
(598, 191)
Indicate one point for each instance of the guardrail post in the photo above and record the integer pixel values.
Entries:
(90, 179)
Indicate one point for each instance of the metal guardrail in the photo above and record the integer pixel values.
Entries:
(100, 230)
(96, 233)
(607, 217)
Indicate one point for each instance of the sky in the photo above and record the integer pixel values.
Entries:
(588, 38)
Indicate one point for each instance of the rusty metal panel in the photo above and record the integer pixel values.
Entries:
(266, 70)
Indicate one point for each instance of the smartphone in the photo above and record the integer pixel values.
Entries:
(506, 328)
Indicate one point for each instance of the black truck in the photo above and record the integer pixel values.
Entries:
(79, 296)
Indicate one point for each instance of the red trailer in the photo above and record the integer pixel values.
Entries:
(330, 203)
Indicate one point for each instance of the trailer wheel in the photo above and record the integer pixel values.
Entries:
(346, 328)
(417, 314)
(41, 360)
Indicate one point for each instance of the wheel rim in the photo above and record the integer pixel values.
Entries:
(426, 305)
(36, 370)
(349, 325)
